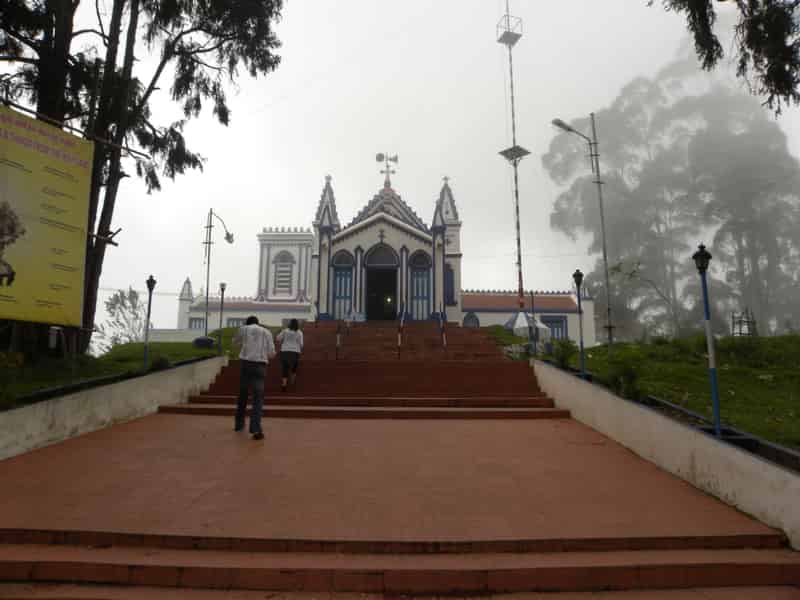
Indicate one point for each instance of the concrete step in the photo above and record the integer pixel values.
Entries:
(290, 399)
(361, 412)
(107, 539)
(400, 574)
(87, 591)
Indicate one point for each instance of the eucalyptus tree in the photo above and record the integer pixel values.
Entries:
(685, 157)
(766, 42)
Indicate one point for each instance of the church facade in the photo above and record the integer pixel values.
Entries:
(385, 263)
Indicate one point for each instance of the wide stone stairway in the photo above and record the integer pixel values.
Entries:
(435, 469)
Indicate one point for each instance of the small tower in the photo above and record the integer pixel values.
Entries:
(185, 300)
(326, 225)
(447, 214)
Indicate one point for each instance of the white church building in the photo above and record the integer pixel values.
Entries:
(385, 263)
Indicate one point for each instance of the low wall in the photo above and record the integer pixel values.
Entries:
(766, 491)
(175, 335)
(50, 421)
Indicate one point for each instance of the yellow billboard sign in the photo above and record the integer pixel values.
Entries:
(45, 174)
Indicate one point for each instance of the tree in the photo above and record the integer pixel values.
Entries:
(127, 316)
(685, 157)
(201, 45)
(767, 41)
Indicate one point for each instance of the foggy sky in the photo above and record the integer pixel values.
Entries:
(426, 80)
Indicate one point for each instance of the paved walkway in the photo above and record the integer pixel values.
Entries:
(357, 480)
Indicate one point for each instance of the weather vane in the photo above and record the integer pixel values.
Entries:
(386, 159)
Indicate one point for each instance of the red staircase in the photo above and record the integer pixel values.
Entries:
(399, 505)
(369, 376)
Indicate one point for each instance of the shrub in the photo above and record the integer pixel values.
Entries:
(563, 351)
(623, 377)
(160, 363)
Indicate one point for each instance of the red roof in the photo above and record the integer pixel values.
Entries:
(509, 301)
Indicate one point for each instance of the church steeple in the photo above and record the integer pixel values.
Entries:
(186, 291)
(448, 204)
(326, 210)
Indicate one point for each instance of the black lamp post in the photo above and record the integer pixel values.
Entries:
(151, 284)
(702, 258)
(208, 243)
(577, 277)
(222, 287)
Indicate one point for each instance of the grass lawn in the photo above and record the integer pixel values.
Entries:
(759, 379)
(503, 336)
(120, 360)
(52, 372)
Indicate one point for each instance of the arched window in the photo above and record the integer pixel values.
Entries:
(471, 320)
(419, 264)
(382, 255)
(343, 259)
(343, 263)
(449, 286)
(283, 269)
(419, 260)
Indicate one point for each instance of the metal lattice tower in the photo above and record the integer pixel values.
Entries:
(509, 32)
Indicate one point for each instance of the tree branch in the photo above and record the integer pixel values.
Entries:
(22, 59)
(99, 19)
(25, 40)
(82, 31)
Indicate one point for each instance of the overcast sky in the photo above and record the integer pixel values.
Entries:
(426, 80)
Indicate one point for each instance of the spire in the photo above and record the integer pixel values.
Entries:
(327, 203)
(186, 291)
(438, 218)
(448, 204)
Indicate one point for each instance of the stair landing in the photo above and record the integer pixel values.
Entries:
(378, 480)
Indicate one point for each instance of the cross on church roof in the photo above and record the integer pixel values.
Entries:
(386, 159)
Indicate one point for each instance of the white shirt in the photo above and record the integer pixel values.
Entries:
(256, 342)
(291, 341)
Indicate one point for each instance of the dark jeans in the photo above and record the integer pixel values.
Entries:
(252, 376)
(289, 362)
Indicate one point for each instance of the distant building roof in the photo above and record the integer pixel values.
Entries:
(498, 301)
(246, 304)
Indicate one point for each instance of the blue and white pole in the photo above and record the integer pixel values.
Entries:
(702, 258)
(577, 277)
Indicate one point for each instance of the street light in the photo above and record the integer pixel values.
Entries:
(151, 284)
(577, 277)
(595, 157)
(208, 243)
(702, 258)
(222, 287)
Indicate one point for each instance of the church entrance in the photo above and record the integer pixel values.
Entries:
(381, 294)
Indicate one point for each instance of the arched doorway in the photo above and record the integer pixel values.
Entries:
(381, 264)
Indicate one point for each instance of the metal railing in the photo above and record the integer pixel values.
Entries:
(401, 322)
(442, 322)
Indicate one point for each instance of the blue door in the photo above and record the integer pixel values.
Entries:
(420, 294)
(342, 292)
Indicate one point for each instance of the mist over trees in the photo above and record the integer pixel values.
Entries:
(686, 158)
(765, 43)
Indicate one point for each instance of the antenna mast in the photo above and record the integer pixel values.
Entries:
(509, 32)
